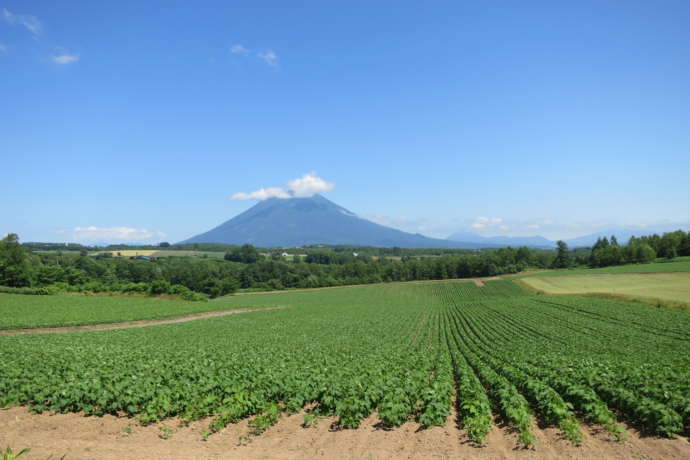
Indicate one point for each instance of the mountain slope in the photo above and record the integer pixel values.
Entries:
(292, 222)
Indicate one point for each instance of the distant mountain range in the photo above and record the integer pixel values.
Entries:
(514, 241)
(292, 222)
(623, 234)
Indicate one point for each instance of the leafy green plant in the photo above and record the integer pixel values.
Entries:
(268, 418)
(310, 421)
(9, 454)
(244, 440)
(165, 432)
(404, 352)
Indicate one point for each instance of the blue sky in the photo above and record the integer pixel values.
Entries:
(139, 120)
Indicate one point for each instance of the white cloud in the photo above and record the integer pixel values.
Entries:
(3, 48)
(65, 58)
(262, 194)
(238, 49)
(269, 57)
(106, 234)
(308, 185)
(484, 222)
(30, 23)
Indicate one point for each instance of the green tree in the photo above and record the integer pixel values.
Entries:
(247, 254)
(15, 270)
(562, 259)
(644, 253)
(684, 247)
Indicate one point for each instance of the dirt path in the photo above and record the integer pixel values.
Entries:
(114, 438)
(132, 324)
(479, 283)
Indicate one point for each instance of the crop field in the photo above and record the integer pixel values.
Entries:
(400, 353)
(664, 286)
(680, 264)
(30, 311)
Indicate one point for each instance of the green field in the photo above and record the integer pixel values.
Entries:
(402, 352)
(161, 253)
(664, 286)
(681, 264)
(25, 311)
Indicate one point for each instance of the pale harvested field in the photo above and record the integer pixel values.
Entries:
(666, 286)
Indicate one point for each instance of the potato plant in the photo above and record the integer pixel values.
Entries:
(414, 353)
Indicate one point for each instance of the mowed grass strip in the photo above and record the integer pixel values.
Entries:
(682, 264)
(28, 311)
(665, 286)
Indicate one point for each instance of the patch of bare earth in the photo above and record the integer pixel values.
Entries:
(111, 437)
(132, 324)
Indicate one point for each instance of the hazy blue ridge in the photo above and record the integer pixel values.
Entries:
(515, 241)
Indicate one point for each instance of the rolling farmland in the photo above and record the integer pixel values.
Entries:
(673, 286)
(417, 352)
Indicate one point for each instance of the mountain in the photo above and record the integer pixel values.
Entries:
(514, 241)
(291, 222)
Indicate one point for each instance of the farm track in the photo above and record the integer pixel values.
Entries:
(134, 324)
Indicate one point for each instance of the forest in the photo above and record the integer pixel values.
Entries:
(607, 252)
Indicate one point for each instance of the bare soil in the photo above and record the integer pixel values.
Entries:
(479, 283)
(131, 324)
(77, 437)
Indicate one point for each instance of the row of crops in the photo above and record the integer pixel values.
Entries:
(400, 352)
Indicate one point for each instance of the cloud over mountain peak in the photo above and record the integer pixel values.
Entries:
(307, 185)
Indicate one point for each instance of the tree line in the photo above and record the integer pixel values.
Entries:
(32, 269)
(242, 268)
(644, 249)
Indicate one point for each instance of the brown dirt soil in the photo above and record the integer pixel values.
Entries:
(479, 283)
(78, 437)
(131, 324)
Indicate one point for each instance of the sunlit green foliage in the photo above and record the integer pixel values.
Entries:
(401, 352)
